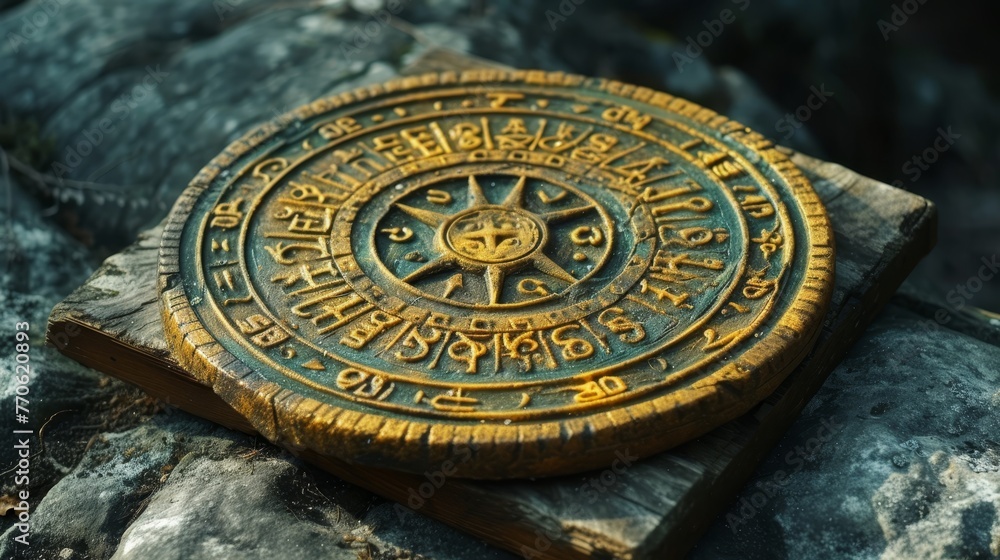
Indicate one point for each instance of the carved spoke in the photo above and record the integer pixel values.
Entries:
(476, 195)
(550, 267)
(494, 283)
(515, 197)
(429, 217)
(559, 215)
(440, 263)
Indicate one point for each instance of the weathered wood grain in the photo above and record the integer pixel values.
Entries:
(881, 233)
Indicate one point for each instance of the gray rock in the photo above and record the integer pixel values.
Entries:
(235, 506)
(39, 265)
(949, 512)
(266, 508)
(90, 507)
(895, 457)
(140, 96)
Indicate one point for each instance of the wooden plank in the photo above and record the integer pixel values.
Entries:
(649, 509)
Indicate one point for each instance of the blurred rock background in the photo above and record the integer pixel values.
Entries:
(109, 107)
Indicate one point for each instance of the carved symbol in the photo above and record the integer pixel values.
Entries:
(493, 235)
(420, 343)
(691, 237)
(398, 234)
(658, 363)
(572, 348)
(224, 279)
(603, 388)
(757, 287)
(727, 170)
(279, 250)
(497, 99)
(769, 241)
(364, 331)
(438, 197)
(263, 169)
(544, 196)
(520, 346)
(314, 365)
(616, 321)
(757, 206)
(739, 308)
(695, 204)
(364, 384)
(713, 341)
(679, 300)
(454, 401)
(263, 331)
(227, 215)
(467, 351)
(587, 235)
(532, 286)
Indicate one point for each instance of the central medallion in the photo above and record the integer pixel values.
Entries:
(488, 239)
(493, 235)
(510, 237)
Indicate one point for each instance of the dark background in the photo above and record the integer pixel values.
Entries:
(893, 90)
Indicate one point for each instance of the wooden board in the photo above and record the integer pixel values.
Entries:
(653, 508)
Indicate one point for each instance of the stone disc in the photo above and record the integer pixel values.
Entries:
(495, 274)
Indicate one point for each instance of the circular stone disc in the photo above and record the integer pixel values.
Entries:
(509, 274)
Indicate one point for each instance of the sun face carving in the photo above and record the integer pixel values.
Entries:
(493, 234)
(493, 239)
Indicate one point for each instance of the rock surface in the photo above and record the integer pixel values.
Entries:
(896, 457)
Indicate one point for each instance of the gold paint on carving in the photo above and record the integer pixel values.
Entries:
(551, 260)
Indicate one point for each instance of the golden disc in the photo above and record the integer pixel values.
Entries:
(510, 273)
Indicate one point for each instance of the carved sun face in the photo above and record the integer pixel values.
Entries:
(492, 239)
(493, 234)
